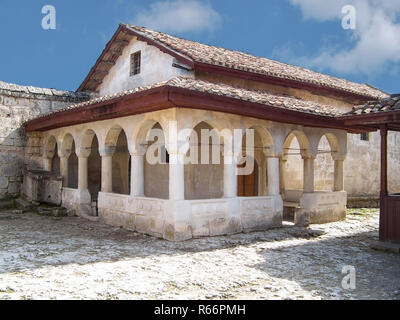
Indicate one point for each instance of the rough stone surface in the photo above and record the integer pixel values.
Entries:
(72, 258)
(17, 105)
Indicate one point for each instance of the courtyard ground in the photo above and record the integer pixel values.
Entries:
(72, 258)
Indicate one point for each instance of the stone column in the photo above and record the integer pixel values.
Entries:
(64, 169)
(282, 176)
(82, 172)
(230, 177)
(177, 176)
(338, 180)
(273, 176)
(137, 175)
(308, 174)
(106, 173)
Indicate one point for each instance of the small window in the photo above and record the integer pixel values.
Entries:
(364, 136)
(135, 63)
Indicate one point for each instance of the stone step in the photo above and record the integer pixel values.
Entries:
(60, 212)
(54, 212)
(23, 205)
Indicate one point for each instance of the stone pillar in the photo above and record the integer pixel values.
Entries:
(106, 173)
(82, 173)
(273, 176)
(177, 176)
(137, 175)
(262, 177)
(282, 175)
(47, 164)
(64, 169)
(308, 174)
(338, 180)
(230, 177)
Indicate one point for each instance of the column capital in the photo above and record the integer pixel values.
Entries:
(138, 153)
(107, 151)
(338, 157)
(83, 152)
(308, 157)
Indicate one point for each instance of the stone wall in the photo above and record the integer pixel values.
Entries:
(17, 105)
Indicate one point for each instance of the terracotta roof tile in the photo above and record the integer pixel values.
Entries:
(385, 105)
(255, 96)
(199, 52)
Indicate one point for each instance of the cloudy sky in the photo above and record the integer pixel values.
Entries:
(306, 33)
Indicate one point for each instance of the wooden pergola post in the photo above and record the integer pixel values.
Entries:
(384, 184)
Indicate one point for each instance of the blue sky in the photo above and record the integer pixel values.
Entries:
(307, 33)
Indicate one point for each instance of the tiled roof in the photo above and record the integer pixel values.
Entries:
(16, 90)
(217, 56)
(389, 104)
(255, 96)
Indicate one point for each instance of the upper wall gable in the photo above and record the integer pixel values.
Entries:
(156, 66)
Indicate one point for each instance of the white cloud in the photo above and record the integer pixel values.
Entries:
(179, 16)
(375, 42)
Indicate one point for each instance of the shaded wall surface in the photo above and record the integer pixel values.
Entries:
(17, 105)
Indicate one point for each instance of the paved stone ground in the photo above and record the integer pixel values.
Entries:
(71, 258)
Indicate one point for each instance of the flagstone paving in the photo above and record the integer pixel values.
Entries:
(72, 258)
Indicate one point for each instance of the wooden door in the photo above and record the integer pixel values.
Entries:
(247, 185)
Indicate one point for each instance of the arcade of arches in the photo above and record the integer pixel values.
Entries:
(297, 174)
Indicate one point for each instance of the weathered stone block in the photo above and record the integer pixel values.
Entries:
(3, 183)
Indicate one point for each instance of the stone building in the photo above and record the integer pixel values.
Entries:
(304, 157)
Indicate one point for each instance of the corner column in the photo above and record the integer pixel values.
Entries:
(176, 176)
(338, 180)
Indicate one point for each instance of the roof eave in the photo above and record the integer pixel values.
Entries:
(165, 97)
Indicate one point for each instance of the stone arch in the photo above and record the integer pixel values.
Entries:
(66, 145)
(333, 143)
(89, 147)
(50, 155)
(68, 151)
(204, 168)
(141, 134)
(302, 140)
(86, 141)
(295, 147)
(156, 158)
(328, 149)
(120, 161)
(264, 138)
(111, 138)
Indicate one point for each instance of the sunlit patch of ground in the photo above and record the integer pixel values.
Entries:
(72, 258)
